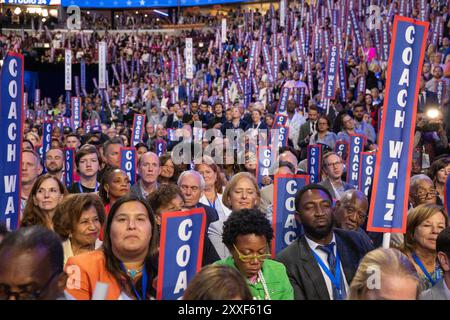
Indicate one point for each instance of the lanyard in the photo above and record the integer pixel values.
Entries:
(82, 190)
(263, 282)
(144, 281)
(335, 280)
(213, 205)
(424, 270)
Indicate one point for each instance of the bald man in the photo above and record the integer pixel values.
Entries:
(149, 169)
(351, 212)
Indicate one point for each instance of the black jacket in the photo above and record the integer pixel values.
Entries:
(304, 272)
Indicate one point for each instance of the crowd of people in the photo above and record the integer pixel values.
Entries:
(102, 229)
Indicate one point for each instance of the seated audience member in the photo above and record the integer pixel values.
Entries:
(46, 194)
(126, 260)
(421, 191)
(333, 168)
(385, 274)
(31, 170)
(242, 192)
(441, 291)
(323, 134)
(315, 255)
(148, 170)
(351, 211)
(216, 282)
(115, 184)
(168, 170)
(214, 186)
(78, 220)
(423, 225)
(87, 161)
(192, 185)
(31, 265)
(247, 234)
(438, 172)
(169, 198)
(54, 162)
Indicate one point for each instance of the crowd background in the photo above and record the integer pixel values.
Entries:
(238, 208)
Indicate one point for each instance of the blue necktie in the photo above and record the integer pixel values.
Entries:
(328, 249)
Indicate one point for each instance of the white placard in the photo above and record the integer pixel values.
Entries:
(102, 65)
(224, 30)
(68, 70)
(189, 59)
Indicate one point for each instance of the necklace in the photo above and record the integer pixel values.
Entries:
(134, 272)
(263, 282)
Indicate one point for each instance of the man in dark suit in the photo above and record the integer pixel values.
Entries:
(307, 130)
(322, 263)
(426, 98)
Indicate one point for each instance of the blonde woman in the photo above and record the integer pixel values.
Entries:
(385, 274)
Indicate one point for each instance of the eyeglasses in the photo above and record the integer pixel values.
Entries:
(334, 164)
(246, 258)
(6, 293)
(422, 194)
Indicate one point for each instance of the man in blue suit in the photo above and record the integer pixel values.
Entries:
(322, 263)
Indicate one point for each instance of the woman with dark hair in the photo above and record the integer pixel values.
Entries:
(115, 184)
(323, 134)
(169, 172)
(216, 282)
(438, 172)
(47, 192)
(167, 198)
(127, 262)
(78, 221)
(423, 225)
(214, 186)
(247, 234)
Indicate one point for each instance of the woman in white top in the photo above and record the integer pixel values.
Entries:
(78, 221)
(214, 185)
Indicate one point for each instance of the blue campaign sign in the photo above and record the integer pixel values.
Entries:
(389, 203)
(282, 105)
(128, 162)
(47, 138)
(280, 120)
(284, 225)
(280, 138)
(180, 251)
(11, 131)
(69, 155)
(366, 170)
(161, 147)
(341, 149)
(264, 163)
(138, 129)
(76, 112)
(314, 156)
(357, 142)
(331, 73)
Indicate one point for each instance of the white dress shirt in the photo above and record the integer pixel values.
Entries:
(324, 256)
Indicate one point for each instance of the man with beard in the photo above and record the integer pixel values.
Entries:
(322, 263)
(54, 163)
(360, 124)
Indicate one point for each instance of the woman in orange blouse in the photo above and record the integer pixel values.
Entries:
(127, 262)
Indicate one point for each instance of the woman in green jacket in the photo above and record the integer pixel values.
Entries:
(247, 234)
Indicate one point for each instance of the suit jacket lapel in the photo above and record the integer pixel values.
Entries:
(313, 270)
(346, 259)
